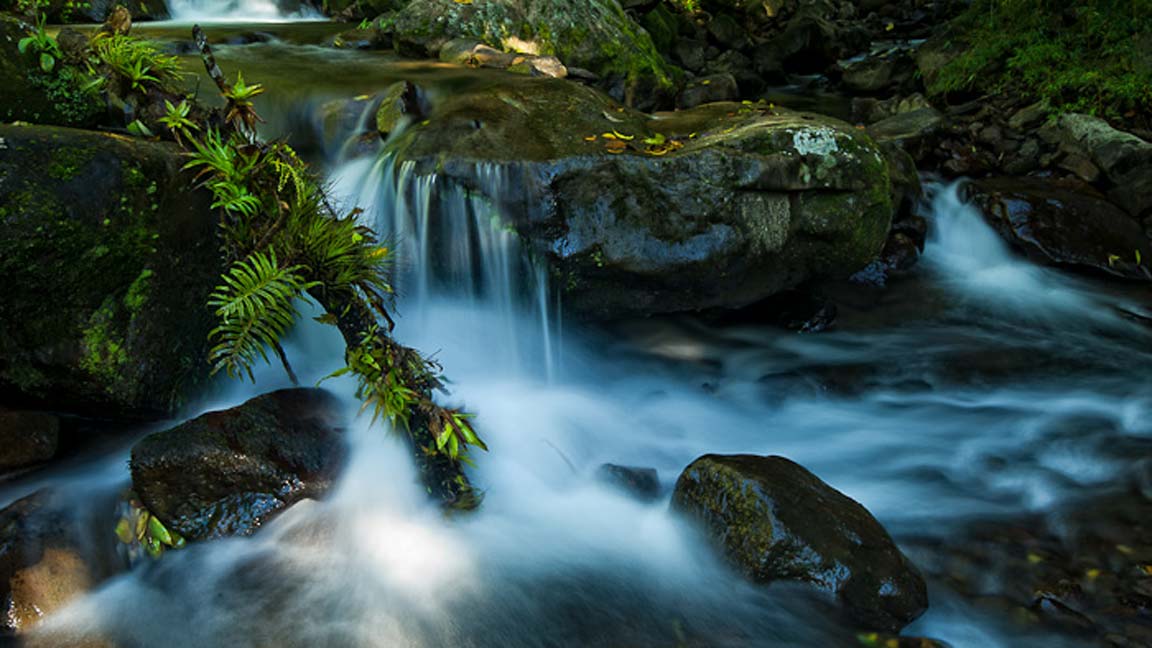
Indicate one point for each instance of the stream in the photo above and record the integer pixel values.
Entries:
(982, 385)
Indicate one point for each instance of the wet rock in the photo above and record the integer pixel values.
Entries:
(712, 88)
(1060, 224)
(592, 34)
(915, 130)
(1028, 117)
(876, 74)
(641, 483)
(52, 550)
(110, 228)
(228, 472)
(1116, 153)
(774, 520)
(738, 203)
(27, 438)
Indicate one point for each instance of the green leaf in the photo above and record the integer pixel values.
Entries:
(157, 530)
(47, 62)
(124, 531)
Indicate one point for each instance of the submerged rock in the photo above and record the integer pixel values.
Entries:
(51, 554)
(227, 473)
(774, 520)
(107, 258)
(641, 483)
(720, 206)
(1062, 224)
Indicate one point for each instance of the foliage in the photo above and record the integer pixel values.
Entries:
(1091, 56)
(176, 120)
(256, 308)
(133, 59)
(139, 529)
(41, 44)
(241, 110)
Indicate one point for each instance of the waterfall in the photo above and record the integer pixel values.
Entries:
(453, 247)
(209, 11)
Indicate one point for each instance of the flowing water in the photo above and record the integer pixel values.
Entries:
(982, 385)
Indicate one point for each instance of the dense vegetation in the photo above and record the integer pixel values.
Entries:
(1093, 56)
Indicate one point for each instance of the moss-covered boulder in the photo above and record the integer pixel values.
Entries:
(107, 258)
(774, 520)
(593, 34)
(226, 473)
(29, 93)
(720, 206)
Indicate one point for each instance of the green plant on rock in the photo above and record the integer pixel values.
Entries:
(42, 45)
(241, 109)
(134, 60)
(176, 120)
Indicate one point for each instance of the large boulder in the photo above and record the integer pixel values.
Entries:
(593, 34)
(1058, 223)
(719, 206)
(774, 520)
(107, 257)
(57, 96)
(51, 552)
(227, 473)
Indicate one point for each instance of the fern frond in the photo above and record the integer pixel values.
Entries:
(256, 309)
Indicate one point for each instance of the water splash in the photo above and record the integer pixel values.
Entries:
(240, 11)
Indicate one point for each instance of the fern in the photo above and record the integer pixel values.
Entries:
(255, 307)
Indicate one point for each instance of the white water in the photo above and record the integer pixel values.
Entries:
(926, 433)
(237, 11)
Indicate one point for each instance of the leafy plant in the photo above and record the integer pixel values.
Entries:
(241, 109)
(139, 529)
(135, 60)
(256, 308)
(41, 44)
(176, 119)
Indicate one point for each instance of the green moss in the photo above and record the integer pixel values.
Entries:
(1093, 56)
(104, 351)
(138, 292)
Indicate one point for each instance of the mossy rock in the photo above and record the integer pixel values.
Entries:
(774, 520)
(30, 94)
(750, 199)
(108, 257)
(593, 34)
(68, 12)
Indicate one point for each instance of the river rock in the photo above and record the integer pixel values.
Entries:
(719, 206)
(774, 520)
(641, 483)
(51, 552)
(593, 34)
(107, 257)
(915, 131)
(1063, 224)
(228, 472)
(27, 438)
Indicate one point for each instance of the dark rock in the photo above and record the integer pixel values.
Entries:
(691, 54)
(900, 253)
(740, 68)
(716, 87)
(1028, 117)
(728, 32)
(915, 131)
(227, 473)
(870, 110)
(758, 201)
(1081, 167)
(1065, 225)
(51, 552)
(1116, 153)
(774, 520)
(870, 76)
(110, 228)
(641, 483)
(27, 438)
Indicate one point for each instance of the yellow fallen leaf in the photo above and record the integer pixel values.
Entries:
(626, 138)
(609, 136)
(1092, 574)
(1035, 558)
(590, 138)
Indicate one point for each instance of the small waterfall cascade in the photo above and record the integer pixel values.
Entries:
(209, 11)
(455, 250)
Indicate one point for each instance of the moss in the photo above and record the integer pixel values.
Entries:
(104, 348)
(138, 292)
